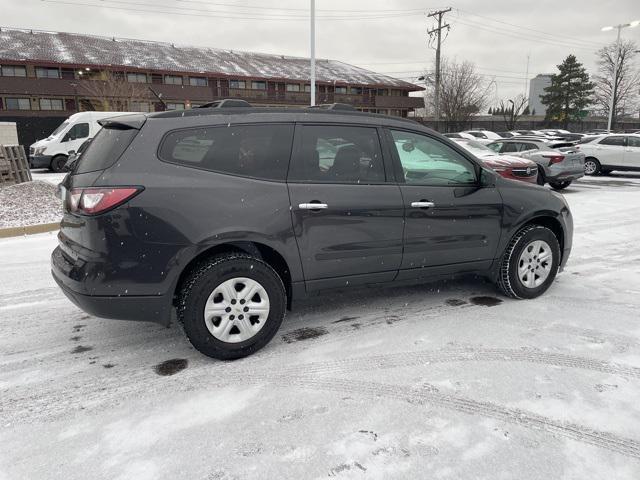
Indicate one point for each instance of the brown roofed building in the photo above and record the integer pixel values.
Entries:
(57, 74)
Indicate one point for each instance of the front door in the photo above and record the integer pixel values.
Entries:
(610, 150)
(347, 219)
(450, 219)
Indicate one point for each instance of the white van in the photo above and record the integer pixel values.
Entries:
(53, 151)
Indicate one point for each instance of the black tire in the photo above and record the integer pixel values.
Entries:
(560, 185)
(596, 163)
(204, 279)
(508, 279)
(58, 162)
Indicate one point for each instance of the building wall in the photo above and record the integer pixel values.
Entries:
(536, 90)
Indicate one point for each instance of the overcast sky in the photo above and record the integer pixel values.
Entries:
(386, 36)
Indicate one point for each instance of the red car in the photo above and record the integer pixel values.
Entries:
(514, 168)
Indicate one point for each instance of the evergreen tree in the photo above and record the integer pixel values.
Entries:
(570, 92)
(490, 112)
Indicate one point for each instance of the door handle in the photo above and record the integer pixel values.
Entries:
(313, 206)
(423, 204)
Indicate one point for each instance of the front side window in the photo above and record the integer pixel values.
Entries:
(258, 85)
(79, 130)
(338, 154)
(633, 142)
(427, 161)
(198, 81)
(51, 104)
(13, 71)
(18, 104)
(173, 80)
(42, 72)
(617, 141)
(259, 151)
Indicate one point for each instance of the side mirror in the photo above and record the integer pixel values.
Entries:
(487, 178)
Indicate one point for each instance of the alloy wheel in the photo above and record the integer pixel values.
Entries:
(534, 265)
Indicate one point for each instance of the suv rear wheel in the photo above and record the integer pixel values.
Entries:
(530, 263)
(231, 306)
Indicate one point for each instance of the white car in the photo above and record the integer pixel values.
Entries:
(611, 152)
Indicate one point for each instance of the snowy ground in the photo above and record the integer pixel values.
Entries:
(420, 382)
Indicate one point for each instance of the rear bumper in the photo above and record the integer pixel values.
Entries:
(565, 176)
(151, 308)
(40, 161)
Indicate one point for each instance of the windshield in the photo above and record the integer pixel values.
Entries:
(477, 148)
(62, 126)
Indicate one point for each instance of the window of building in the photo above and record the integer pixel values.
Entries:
(427, 161)
(341, 90)
(237, 84)
(137, 77)
(382, 91)
(51, 104)
(198, 81)
(356, 90)
(14, 71)
(140, 107)
(42, 72)
(307, 88)
(294, 87)
(175, 106)
(18, 104)
(260, 151)
(338, 154)
(396, 93)
(258, 85)
(173, 80)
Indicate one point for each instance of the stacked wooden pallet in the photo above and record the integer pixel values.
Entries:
(14, 166)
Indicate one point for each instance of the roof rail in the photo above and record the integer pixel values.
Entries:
(335, 106)
(226, 103)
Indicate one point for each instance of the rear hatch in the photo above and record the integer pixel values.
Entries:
(573, 156)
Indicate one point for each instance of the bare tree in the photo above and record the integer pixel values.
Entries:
(512, 110)
(112, 92)
(625, 90)
(463, 92)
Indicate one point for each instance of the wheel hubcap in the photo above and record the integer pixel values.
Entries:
(589, 167)
(236, 310)
(534, 265)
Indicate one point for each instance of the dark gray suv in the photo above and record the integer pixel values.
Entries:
(225, 215)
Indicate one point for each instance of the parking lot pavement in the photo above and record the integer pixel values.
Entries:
(447, 380)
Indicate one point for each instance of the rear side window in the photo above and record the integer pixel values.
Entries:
(106, 147)
(259, 151)
(617, 141)
(584, 140)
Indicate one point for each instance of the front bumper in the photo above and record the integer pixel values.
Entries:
(145, 308)
(40, 161)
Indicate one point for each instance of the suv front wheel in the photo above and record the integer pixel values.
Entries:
(530, 262)
(231, 306)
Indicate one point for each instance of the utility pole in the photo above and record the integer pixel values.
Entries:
(313, 52)
(438, 32)
(526, 78)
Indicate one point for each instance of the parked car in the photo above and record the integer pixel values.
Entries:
(606, 153)
(506, 134)
(483, 136)
(459, 135)
(514, 168)
(53, 152)
(225, 217)
(559, 163)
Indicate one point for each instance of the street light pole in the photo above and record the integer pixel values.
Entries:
(614, 85)
(313, 52)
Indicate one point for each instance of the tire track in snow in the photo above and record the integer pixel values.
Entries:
(615, 443)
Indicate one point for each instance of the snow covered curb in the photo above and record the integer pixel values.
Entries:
(28, 230)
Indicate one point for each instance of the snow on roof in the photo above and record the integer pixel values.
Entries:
(79, 49)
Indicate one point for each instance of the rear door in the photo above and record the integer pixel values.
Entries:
(450, 220)
(610, 150)
(632, 153)
(348, 220)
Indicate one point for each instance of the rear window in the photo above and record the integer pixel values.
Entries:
(584, 140)
(258, 151)
(105, 148)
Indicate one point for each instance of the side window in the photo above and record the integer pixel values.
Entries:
(633, 142)
(615, 140)
(338, 154)
(260, 151)
(510, 147)
(426, 161)
(495, 146)
(79, 130)
(525, 147)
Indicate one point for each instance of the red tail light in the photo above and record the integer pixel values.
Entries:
(92, 201)
(554, 158)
